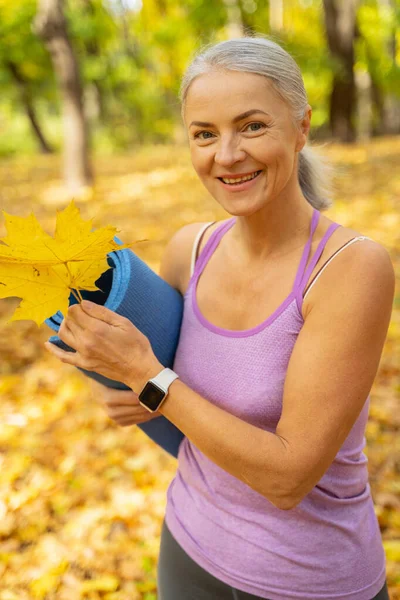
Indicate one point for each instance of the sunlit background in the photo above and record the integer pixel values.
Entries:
(82, 499)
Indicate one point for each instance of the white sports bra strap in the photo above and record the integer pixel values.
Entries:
(195, 245)
(360, 237)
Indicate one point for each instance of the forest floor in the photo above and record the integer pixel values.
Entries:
(82, 499)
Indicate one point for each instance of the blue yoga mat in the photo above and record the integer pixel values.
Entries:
(133, 290)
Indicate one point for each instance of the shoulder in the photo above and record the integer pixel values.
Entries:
(362, 274)
(176, 259)
(363, 254)
(357, 264)
(372, 267)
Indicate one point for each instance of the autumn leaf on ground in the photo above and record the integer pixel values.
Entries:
(43, 270)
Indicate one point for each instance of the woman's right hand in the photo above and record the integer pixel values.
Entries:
(122, 406)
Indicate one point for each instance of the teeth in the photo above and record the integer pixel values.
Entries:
(247, 178)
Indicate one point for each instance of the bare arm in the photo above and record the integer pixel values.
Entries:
(335, 360)
(331, 371)
(231, 443)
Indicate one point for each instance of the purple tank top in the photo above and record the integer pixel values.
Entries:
(329, 546)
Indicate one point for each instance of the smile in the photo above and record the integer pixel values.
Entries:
(237, 180)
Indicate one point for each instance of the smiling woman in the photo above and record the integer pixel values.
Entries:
(246, 113)
(271, 497)
(282, 76)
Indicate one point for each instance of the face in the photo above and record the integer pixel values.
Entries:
(225, 142)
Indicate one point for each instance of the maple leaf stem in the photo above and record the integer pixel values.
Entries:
(78, 298)
(77, 295)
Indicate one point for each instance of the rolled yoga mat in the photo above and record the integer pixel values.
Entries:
(131, 289)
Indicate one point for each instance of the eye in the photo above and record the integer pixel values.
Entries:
(257, 123)
(198, 134)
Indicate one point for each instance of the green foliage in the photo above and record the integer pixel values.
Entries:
(19, 45)
(378, 27)
(131, 61)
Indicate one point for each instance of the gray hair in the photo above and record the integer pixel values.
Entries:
(263, 56)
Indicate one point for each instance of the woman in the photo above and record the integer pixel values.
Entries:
(271, 496)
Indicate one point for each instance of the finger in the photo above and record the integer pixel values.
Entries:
(126, 411)
(97, 385)
(101, 393)
(97, 396)
(67, 335)
(116, 397)
(78, 316)
(99, 399)
(71, 358)
(123, 398)
(127, 422)
(97, 311)
(97, 388)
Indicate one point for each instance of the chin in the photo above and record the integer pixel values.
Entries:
(243, 211)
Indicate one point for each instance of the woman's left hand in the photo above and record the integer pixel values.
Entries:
(106, 343)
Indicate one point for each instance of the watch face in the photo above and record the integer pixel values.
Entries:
(151, 396)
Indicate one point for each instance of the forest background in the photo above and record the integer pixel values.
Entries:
(89, 110)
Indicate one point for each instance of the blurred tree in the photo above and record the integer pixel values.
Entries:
(234, 25)
(27, 103)
(132, 55)
(24, 68)
(377, 63)
(341, 30)
(389, 103)
(51, 26)
(94, 55)
(276, 15)
(304, 37)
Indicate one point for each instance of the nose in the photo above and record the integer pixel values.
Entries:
(228, 153)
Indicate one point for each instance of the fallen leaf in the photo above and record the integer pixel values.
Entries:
(105, 583)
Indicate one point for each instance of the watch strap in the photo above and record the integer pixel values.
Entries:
(164, 379)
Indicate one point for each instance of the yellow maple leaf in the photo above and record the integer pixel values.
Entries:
(27, 243)
(43, 270)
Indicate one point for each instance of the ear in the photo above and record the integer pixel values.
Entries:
(304, 129)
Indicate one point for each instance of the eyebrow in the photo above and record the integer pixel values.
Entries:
(244, 115)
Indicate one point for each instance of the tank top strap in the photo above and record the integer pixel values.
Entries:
(307, 248)
(302, 275)
(317, 255)
(210, 246)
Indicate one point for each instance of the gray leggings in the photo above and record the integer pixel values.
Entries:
(179, 577)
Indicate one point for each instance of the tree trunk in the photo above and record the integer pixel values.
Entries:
(51, 26)
(378, 101)
(341, 29)
(364, 106)
(26, 101)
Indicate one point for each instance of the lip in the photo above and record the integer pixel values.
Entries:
(239, 187)
(234, 175)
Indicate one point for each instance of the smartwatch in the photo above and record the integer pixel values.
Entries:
(155, 391)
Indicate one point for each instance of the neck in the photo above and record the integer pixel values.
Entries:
(275, 230)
